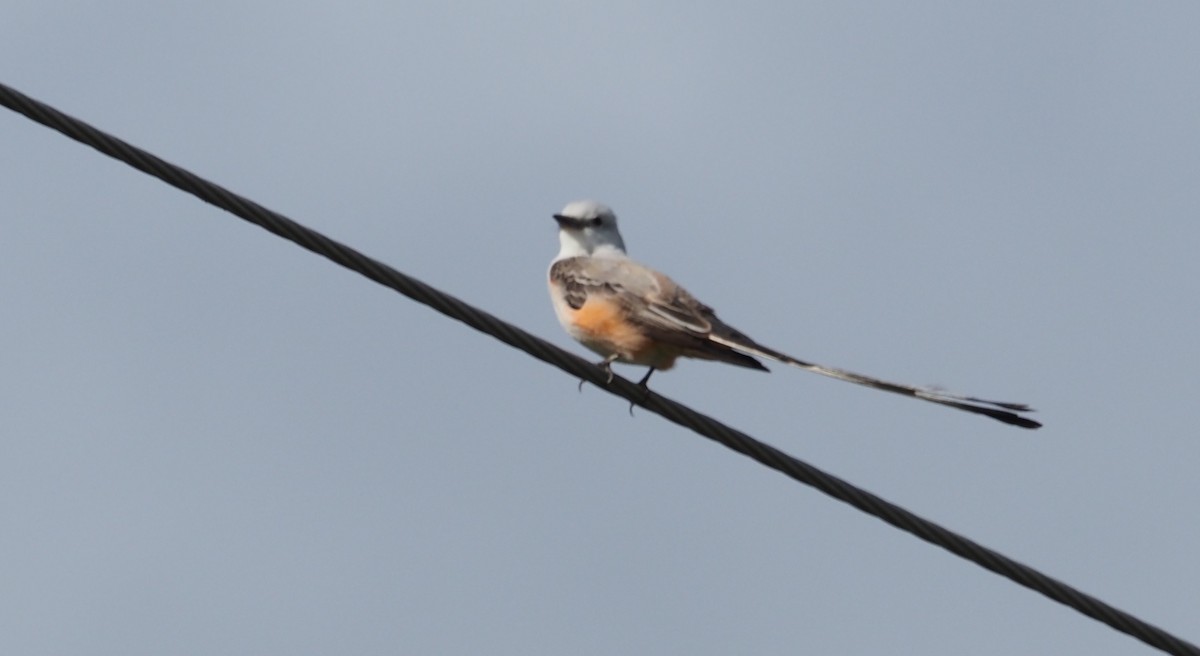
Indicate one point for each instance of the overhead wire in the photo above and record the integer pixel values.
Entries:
(678, 413)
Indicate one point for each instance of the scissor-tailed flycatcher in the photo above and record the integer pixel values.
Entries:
(630, 313)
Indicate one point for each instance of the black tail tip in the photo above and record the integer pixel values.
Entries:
(1014, 419)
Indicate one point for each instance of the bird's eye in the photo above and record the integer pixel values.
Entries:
(595, 223)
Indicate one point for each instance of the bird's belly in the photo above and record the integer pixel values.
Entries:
(602, 326)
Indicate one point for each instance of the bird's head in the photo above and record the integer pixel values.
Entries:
(586, 227)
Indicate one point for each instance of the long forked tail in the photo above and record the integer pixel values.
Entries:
(998, 410)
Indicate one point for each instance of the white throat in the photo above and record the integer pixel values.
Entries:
(577, 243)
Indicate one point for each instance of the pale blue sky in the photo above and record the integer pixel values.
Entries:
(217, 443)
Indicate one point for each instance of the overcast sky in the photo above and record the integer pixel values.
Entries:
(218, 443)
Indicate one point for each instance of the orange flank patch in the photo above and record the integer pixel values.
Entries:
(601, 320)
(600, 325)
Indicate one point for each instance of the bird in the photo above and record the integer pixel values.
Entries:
(629, 313)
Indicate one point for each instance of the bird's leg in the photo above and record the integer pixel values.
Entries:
(645, 379)
(645, 389)
(606, 365)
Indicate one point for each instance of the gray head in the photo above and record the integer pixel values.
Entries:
(586, 227)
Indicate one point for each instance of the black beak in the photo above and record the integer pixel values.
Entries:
(565, 221)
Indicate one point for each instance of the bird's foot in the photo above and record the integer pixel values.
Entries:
(645, 390)
(606, 365)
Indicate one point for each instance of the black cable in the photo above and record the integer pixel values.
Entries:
(545, 351)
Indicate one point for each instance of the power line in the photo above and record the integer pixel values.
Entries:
(576, 366)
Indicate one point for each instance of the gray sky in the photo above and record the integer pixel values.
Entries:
(217, 443)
